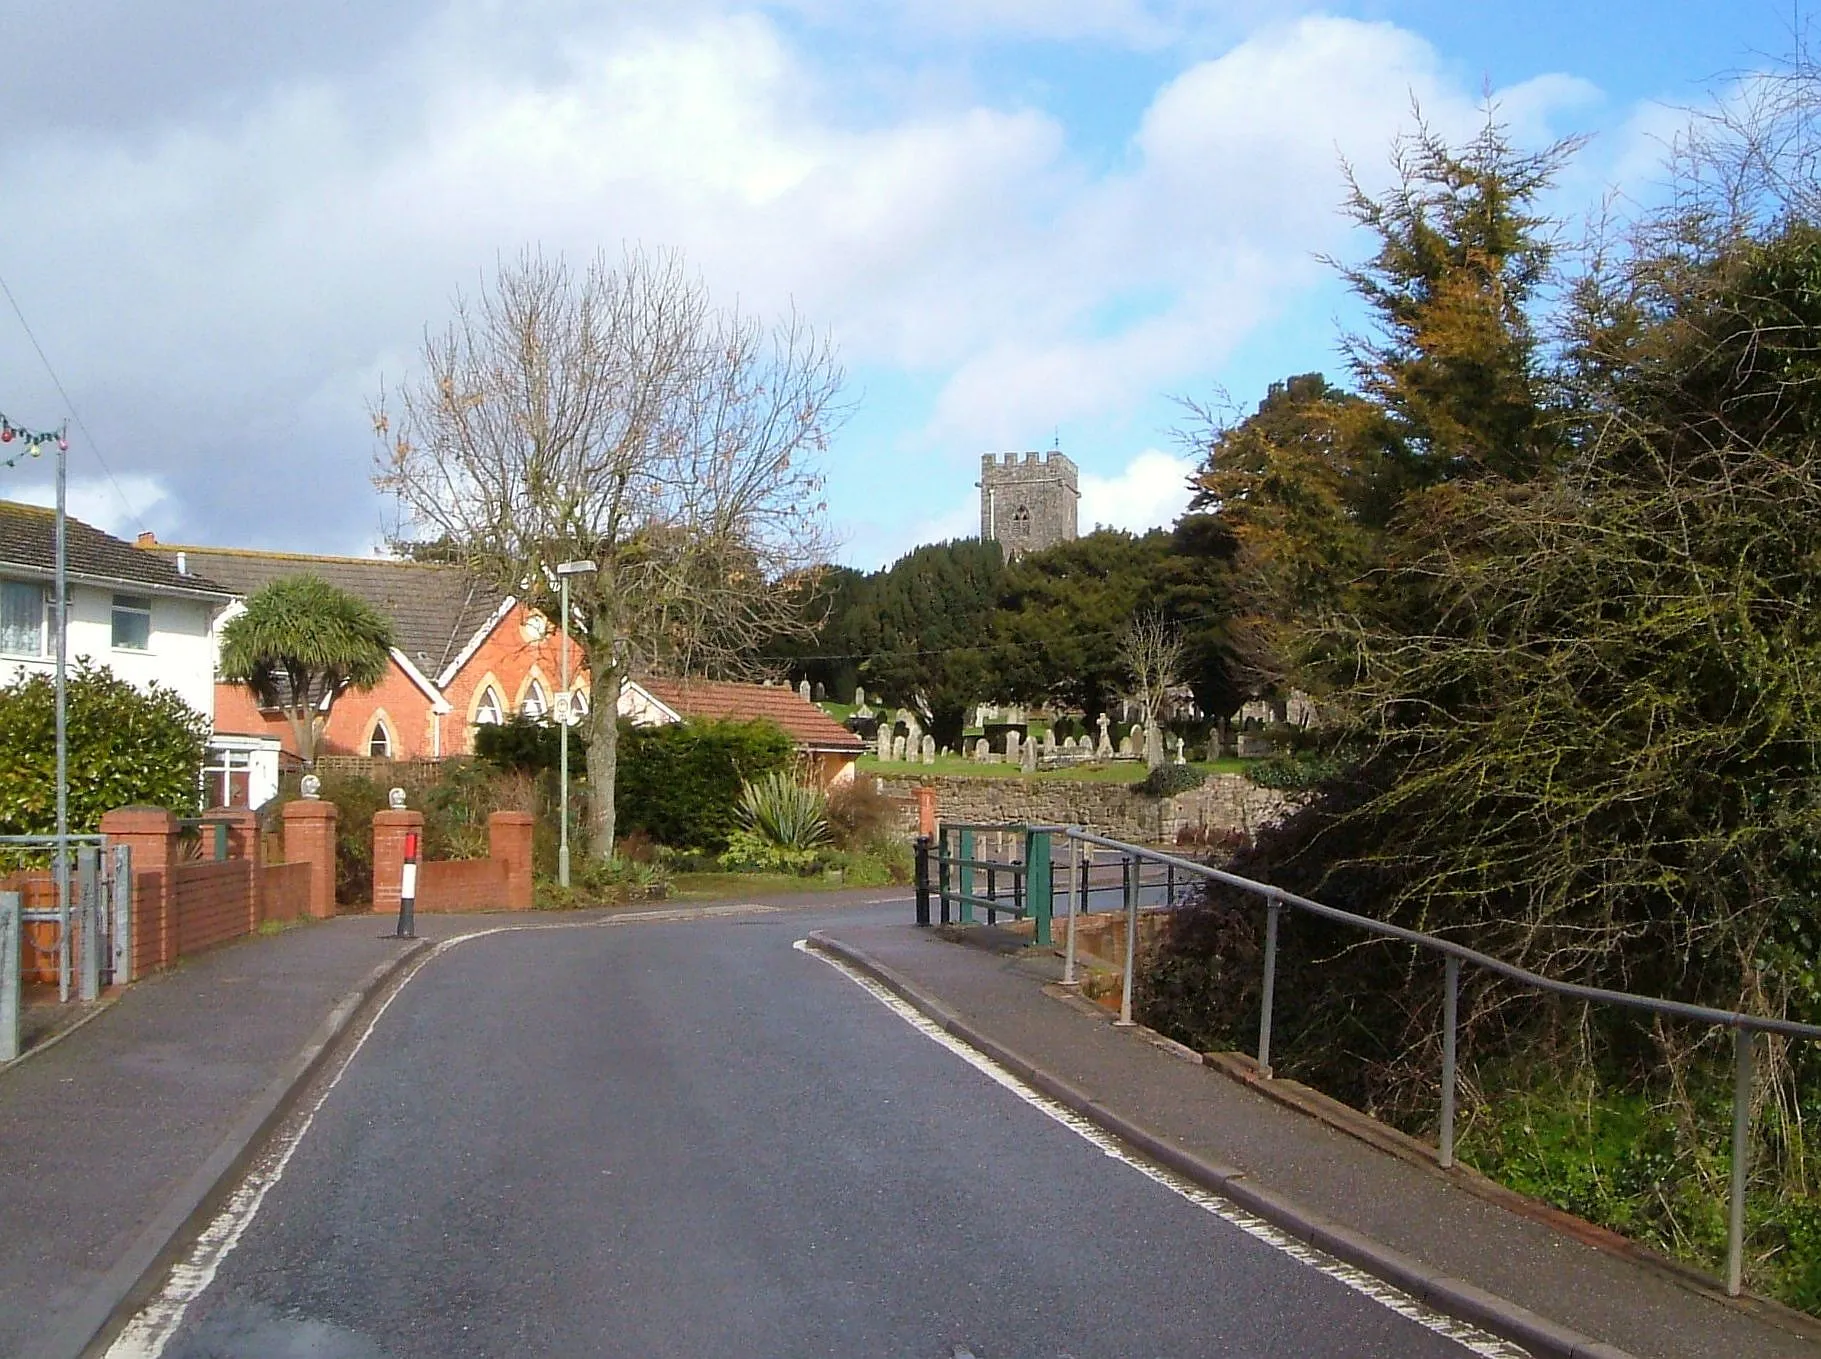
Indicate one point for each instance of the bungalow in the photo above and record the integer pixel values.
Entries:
(828, 747)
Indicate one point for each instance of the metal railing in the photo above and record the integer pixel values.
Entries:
(1180, 871)
(92, 915)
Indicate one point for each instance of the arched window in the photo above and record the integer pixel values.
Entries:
(578, 705)
(535, 704)
(1021, 521)
(379, 744)
(487, 712)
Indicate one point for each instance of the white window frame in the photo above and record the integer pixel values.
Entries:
(489, 710)
(131, 605)
(45, 622)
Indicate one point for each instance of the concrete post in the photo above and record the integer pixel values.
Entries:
(150, 835)
(389, 830)
(10, 944)
(310, 839)
(509, 841)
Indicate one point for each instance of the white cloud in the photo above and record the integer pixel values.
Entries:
(222, 288)
(136, 503)
(1152, 492)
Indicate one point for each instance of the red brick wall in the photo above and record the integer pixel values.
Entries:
(284, 892)
(350, 720)
(462, 885)
(212, 902)
(38, 948)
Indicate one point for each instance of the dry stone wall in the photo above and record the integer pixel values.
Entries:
(1226, 802)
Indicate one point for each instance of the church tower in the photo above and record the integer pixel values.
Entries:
(1028, 503)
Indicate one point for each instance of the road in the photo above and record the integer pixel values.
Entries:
(691, 1139)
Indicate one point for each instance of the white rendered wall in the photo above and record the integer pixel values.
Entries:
(180, 655)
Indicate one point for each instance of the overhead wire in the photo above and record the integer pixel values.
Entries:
(69, 404)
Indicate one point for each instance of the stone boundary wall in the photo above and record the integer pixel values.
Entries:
(1226, 802)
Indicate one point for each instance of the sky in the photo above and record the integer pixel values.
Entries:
(1025, 224)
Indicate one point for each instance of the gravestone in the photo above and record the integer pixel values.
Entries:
(885, 742)
(821, 692)
(803, 690)
(859, 696)
(897, 750)
(1126, 748)
(982, 751)
(1153, 746)
(1105, 748)
(1180, 757)
(1011, 747)
(928, 748)
(1028, 764)
(1049, 740)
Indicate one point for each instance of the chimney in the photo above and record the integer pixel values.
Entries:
(183, 564)
(146, 539)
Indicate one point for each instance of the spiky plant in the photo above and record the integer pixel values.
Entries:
(784, 812)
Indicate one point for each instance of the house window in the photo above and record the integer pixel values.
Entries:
(379, 744)
(487, 713)
(132, 622)
(578, 705)
(227, 778)
(1021, 521)
(22, 617)
(535, 703)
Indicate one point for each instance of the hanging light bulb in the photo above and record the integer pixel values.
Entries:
(6, 434)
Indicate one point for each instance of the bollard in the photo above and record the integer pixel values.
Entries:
(120, 896)
(923, 880)
(1272, 907)
(1068, 956)
(10, 944)
(966, 854)
(407, 889)
(88, 918)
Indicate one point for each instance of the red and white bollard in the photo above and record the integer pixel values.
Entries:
(407, 889)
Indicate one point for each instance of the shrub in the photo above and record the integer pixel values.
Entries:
(749, 850)
(784, 812)
(1167, 780)
(680, 784)
(356, 799)
(529, 746)
(126, 746)
(860, 815)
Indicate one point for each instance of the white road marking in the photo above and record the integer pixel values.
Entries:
(1470, 1338)
(151, 1329)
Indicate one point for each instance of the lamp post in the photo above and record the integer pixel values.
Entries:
(565, 570)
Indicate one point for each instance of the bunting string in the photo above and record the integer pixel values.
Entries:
(33, 441)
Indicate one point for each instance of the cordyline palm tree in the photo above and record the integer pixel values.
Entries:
(299, 644)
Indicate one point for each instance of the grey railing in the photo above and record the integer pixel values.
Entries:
(1745, 1027)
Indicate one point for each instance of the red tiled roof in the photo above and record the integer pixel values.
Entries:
(803, 722)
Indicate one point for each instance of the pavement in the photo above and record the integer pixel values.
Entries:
(1423, 1229)
(119, 1140)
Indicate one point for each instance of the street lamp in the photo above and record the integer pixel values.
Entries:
(565, 570)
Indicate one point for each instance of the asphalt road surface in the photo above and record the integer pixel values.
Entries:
(690, 1139)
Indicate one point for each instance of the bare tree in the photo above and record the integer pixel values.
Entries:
(1151, 652)
(618, 416)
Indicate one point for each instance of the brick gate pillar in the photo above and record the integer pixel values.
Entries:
(151, 834)
(509, 840)
(389, 830)
(310, 839)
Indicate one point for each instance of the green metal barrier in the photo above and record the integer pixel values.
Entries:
(956, 865)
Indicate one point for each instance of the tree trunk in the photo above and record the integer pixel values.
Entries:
(603, 751)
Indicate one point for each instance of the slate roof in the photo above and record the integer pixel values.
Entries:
(434, 609)
(28, 540)
(804, 722)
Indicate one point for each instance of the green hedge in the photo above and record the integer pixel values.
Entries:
(127, 746)
(680, 784)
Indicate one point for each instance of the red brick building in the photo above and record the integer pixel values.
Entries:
(464, 654)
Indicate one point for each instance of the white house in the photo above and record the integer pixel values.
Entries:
(142, 615)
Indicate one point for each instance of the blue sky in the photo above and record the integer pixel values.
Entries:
(1024, 221)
